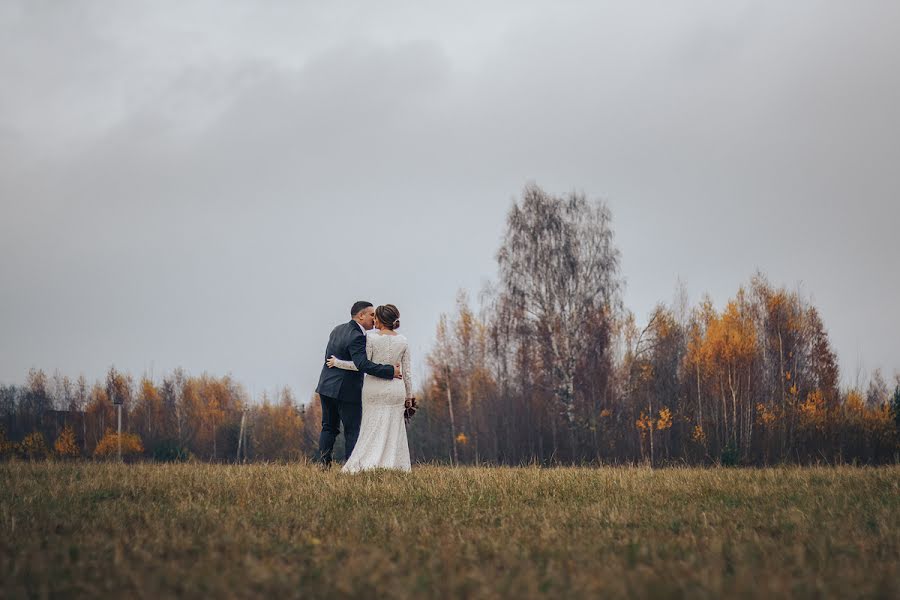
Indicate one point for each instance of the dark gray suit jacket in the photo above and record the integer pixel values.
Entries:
(348, 342)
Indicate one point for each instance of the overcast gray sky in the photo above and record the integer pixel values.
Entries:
(212, 184)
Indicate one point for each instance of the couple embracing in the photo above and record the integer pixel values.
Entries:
(371, 407)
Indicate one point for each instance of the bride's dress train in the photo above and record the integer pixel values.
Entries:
(382, 439)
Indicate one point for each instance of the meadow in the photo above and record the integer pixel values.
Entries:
(145, 530)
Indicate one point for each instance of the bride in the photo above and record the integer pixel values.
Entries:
(382, 433)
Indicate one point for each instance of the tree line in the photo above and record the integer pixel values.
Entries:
(548, 368)
(181, 417)
(551, 368)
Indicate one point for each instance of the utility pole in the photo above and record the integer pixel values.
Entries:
(452, 421)
(241, 436)
(119, 436)
(117, 400)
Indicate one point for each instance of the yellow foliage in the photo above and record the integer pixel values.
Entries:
(699, 435)
(765, 415)
(109, 445)
(876, 421)
(855, 403)
(665, 419)
(730, 338)
(727, 345)
(644, 423)
(462, 439)
(813, 410)
(65, 444)
(605, 413)
(33, 446)
(278, 430)
(880, 421)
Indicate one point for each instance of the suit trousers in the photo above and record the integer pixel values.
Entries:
(343, 409)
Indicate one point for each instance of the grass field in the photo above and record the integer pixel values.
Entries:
(151, 530)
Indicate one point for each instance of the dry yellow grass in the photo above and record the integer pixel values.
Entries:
(197, 530)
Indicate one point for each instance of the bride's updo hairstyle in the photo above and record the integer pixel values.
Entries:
(389, 315)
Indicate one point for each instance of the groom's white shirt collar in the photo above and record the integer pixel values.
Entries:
(361, 328)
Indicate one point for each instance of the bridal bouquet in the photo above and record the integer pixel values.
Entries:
(410, 407)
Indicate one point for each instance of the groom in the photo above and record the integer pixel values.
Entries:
(340, 391)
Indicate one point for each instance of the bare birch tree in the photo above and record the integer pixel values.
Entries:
(559, 268)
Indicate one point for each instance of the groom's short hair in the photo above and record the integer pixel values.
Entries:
(358, 306)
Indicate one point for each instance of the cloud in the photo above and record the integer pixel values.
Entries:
(208, 185)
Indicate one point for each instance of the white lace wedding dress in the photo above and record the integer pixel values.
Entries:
(382, 432)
